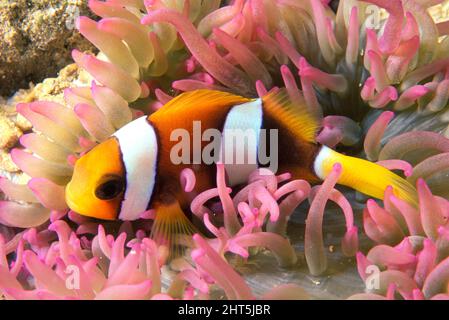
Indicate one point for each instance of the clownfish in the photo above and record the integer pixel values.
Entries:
(132, 171)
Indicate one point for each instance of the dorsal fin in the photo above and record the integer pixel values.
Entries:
(203, 99)
(296, 117)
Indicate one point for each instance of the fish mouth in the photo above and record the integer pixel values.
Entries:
(70, 201)
(74, 205)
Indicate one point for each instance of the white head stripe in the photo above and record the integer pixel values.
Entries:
(243, 123)
(138, 144)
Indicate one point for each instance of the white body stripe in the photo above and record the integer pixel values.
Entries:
(246, 117)
(138, 144)
(322, 156)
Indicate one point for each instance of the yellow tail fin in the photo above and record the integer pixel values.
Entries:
(364, 176)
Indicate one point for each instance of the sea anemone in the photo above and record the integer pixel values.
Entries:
(114, 269)
(57, 263)
(411, 254)
(375, 72)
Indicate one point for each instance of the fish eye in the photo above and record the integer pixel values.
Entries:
(110, 189)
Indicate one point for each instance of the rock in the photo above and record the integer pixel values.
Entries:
(13, 125)
(6, 164)
(50, 89)
(10, 133)
(36, 40)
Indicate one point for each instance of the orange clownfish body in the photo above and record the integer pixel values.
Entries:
(134, 170)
